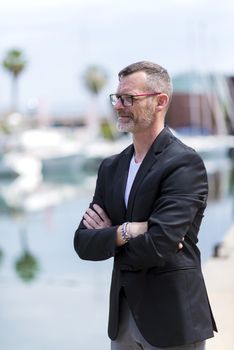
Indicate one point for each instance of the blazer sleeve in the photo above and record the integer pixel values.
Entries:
(96, 244)
(183, 196)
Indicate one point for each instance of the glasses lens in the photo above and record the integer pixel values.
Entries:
(113, 99)
(126, 100)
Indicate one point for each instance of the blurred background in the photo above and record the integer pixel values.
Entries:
(58, 63)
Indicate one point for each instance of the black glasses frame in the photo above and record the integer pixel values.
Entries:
(127, 100)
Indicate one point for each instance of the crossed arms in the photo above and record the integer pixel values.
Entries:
(177, 211)
(97, 218)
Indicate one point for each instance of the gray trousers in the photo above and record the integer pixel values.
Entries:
(130, 338)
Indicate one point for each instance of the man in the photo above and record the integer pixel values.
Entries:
(146, 213)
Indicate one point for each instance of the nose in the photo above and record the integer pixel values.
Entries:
(119, 104)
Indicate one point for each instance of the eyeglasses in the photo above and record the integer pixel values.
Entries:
(127, 100)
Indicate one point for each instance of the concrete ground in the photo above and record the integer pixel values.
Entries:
(219, 277)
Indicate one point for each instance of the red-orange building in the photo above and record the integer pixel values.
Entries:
(202, 104)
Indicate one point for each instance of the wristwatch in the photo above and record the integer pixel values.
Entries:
(124, 232)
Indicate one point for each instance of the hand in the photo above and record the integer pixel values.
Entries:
(180, 245)
(96, 218)
(137, 228)
(134, 229)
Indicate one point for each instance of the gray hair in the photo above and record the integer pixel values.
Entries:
(158, 79)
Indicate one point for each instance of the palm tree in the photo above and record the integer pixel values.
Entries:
(26, 265)
(1, 255)
(14, 62)
(95, 79)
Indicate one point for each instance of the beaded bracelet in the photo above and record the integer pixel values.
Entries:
(124, 232)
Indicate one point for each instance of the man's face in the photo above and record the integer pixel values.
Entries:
(140, 116)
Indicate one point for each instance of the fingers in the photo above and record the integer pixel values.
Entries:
(180, 245)
(94, 219)
(94, 216)
(101, 213)
(91, 219)
(87, 225)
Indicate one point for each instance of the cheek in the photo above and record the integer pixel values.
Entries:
(147, 118)
(149, 113)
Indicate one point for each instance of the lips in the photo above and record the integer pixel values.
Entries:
(122, 115)
(124, 118)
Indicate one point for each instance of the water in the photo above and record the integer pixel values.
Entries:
(65, 306)
(61, 302)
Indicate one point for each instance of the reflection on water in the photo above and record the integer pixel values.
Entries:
(30, 230)
(47, 292)
(26, 265)
(1, 256)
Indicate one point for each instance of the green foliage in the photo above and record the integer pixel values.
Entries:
(1, 256)
(108, 130)
(95, 78)
(27, 267)
(14, 62)
(4, 128)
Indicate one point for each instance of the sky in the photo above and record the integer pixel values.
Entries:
(61, 38)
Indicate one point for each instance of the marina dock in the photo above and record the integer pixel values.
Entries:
(219, 277)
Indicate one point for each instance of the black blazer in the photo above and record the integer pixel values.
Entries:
(164, 287)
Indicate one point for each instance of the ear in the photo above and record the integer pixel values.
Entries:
(163, 101)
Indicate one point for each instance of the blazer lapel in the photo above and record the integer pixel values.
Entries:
(120, 180)
(162, 140)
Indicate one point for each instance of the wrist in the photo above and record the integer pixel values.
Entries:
(125, 231)
(136, 229)
(123, 234)
(119, 239)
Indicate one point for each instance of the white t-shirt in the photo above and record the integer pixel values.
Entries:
(133, 169)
